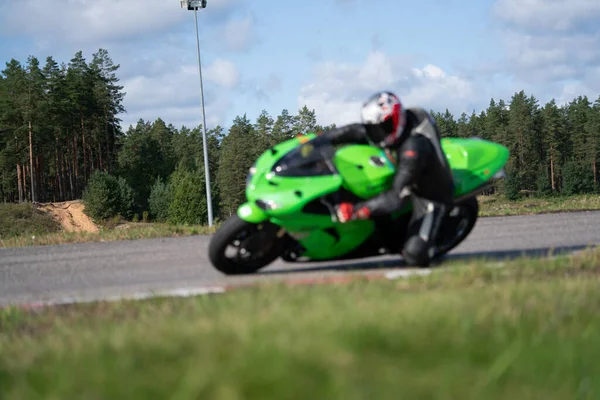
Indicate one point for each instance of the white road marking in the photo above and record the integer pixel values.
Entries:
(405, 273)
(178, 292)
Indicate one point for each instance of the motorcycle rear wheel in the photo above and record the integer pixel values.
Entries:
(255, 246)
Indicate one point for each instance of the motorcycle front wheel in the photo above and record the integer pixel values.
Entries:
(241, 247)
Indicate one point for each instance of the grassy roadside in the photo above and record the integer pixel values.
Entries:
(25, 225)
(25, 220)
(130, 231)
(41, 230)
(529, 330)
(499, 206)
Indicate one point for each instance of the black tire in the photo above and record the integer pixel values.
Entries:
(468, 214)
(261, 237)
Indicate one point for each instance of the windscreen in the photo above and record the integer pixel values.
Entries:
(309, 159)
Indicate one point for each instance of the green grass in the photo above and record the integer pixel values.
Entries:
(530, 330)
(128, 231)
(24, 220)
(498, 205)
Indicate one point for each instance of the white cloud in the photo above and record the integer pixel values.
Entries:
(551, 57)
(238, 34)
(84, 21)
(223, 73)
(554, 15)
(433, 86)
(260, 89)
(190, 116)
(588, 86)
(550, 40)
(174, 95)
(592, 80)
(338, 90)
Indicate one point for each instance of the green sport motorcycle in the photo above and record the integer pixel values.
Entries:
(293, 187)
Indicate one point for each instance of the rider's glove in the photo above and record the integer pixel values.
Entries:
(345, 212)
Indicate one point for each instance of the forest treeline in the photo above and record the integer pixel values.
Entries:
(59, 128)
(58, 123)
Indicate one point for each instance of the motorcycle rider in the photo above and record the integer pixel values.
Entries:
(423, 173)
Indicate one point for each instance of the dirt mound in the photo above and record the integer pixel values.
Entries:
(70, 216)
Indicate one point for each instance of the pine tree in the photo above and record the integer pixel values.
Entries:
(554, 135)
(476, 124)
(34, 117)
(109, 100)
(237, 156)
(14, 123)
(446, 123)
(56, 115)
(522, 139)
(80, 92)
(463, 129)
(578, 113)
(305, 121)
(264, 132)
(283, 128)
(593, 129)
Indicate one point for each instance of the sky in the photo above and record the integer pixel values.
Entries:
(329, 55)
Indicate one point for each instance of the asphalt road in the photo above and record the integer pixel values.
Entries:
(89, 271)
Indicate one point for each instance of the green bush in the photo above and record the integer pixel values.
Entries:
(512, 184)
(189, 201)
(107, 196)
(126, 199)
(161, 195)
(101, 196)
(577, 179)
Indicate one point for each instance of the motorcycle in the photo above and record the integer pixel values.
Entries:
(293, 187)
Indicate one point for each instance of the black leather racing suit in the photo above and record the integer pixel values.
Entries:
(423, 176)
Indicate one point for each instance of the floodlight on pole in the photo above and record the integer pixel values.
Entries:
(194, 5)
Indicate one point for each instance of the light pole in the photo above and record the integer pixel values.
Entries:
(194, 5)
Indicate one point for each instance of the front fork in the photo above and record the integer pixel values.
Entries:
(251, 213)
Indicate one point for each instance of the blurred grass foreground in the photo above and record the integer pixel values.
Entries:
(529, 329)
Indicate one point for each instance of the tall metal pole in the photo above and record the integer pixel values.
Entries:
(204, 140)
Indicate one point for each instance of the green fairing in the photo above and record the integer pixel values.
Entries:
(364, 170)
(473, 162)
